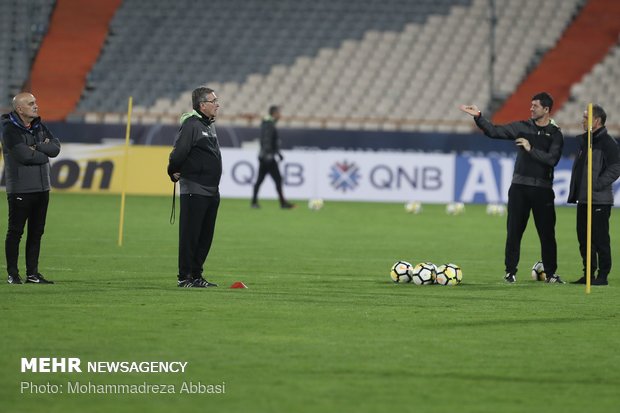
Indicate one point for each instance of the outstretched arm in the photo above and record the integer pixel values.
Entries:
(509, 131)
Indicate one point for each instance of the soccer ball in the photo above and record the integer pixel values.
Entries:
(538, 272)
(496, 209)
(455, 208)
(413, 207)
(449, 274)
(401, 272)
(315, 204)
(424, 273)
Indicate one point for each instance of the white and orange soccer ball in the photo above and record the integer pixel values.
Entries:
(315, 204)
(424, 273)
(449, 274)
(401, 272)
(538, 272)
(413, 207)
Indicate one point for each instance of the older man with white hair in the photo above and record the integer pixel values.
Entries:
(27, 146)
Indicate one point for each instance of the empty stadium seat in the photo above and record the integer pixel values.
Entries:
(387, 59)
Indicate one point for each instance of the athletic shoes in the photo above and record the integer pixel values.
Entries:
(195, 283)
(554, 279)
(185, 283)
(287, 205)
(582, 280)
(37, 279)
(14, 279)
(202, 283)
(510, 278)
(600, 281)
(254, 205)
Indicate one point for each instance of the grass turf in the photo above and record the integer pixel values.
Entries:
(321, 327)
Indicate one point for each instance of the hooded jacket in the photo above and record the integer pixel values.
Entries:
(533, 168)
(605, 169)
(26, 154)
(196, 154)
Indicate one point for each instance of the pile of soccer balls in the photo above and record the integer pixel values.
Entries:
(426, 273)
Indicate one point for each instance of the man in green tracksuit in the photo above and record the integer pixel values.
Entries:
(196, 162)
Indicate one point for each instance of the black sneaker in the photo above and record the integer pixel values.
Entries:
(600, 281)
(554, 279)
(37, 279)
(202, 283)
(510, 278)
(254, 205)
(14, 279)
(582, 280)
(185, 283)
(287, 205)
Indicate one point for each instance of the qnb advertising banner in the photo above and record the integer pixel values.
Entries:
(331, 175)
(340, 175)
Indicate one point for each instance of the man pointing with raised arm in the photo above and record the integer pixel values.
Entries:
(540, 143)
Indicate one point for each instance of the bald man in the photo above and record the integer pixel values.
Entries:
(27, 146)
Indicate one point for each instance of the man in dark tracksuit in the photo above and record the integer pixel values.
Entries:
(605, 170)
(267, 158)
(540, 144)
(27, 146)
(196, 162)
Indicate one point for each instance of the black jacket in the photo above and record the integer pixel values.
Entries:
(196, 154)
(533, 168)
(26, 154)
(605, 169)
(269, 141)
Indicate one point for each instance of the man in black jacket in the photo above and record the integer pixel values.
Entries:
(605, 171)
(268, 157)
(540, 144)
(27, 146)
(196, 162)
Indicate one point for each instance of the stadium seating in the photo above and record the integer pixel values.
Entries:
(23, 23)
(599, 86)
(379, 64)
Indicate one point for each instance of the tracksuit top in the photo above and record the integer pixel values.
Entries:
(26, 156)
(196, 154)
(605, 169)
(534, 168)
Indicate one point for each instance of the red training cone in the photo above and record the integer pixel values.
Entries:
(238, 284)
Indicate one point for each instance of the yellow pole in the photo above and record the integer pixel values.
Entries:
(125, 166)
(589, 225)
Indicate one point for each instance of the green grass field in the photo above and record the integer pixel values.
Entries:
(321, 327)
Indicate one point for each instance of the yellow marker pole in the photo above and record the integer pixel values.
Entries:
(589, 219)
(125, 166)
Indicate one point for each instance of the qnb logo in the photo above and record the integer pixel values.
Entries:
(345, 176)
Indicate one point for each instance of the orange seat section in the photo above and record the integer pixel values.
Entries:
(69, 50)
(584, 43)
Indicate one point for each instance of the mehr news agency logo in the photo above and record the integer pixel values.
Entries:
(75, 365)
(344, 176)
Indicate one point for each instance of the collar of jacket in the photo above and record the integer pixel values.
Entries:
(595, 136)
(17, 121)
(195, 113)
(551, 123)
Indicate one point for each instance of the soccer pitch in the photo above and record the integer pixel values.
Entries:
(321, 327)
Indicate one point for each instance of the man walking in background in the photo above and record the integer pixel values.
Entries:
(269, 156)
(605, 171)
(27, 146)
(540, 144)
(196, 162)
